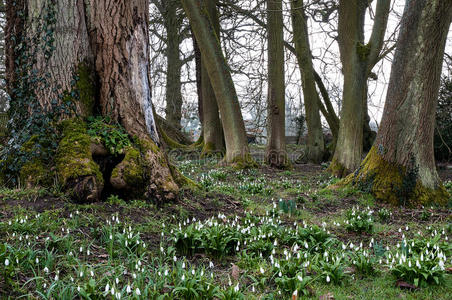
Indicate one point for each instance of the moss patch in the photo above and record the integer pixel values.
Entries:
(388, 182)
(34, 172)
(74, 159)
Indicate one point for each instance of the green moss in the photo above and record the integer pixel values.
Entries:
(363, 51)
(131, 169)
(337, 169)
(83, 93)
(172, 143)
(34, 172)
(86, 88)
(243, 162)
(74, 159)
(387, 182)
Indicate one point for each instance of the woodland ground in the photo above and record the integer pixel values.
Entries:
(51, 248)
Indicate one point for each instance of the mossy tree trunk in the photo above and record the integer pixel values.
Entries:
(315, 144)
(96, 56)
(212, 128)
(400, 168)
(276, 155)
(237, 151)
(356, 57)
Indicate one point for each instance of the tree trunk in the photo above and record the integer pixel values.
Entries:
(95, 55)
(356, 57)
(276, 155)
(213, 130)
(237, 151)
(172, 23)
(400, 168)
(315, 144)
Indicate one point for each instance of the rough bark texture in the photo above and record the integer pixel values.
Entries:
(401, 164)
(173, 24)
(315, 144)
(101, 45)
(356, 56)
(237, 151)
(276, 155)
(213, 130)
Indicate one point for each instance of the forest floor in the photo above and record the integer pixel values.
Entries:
(250, 234)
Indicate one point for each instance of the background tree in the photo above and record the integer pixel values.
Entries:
(400, 168)
(357, 58)
(212, 128)
(237, 151)
(99, 66)
(276, 155)
(315, 143)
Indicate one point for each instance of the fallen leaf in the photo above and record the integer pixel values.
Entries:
(235, 273)
(405, 285)
(449, 270)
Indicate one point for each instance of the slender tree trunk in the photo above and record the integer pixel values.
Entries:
(213, 130)
(356, 57)
(173, 108)
(198, 85)
(276, 155)
(400, 168)
(315, 144)
(237, 151)
(95, 55)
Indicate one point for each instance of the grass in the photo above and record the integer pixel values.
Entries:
(232, 240)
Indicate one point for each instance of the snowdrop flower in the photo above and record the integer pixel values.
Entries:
(183, 277)
(328, 278)
(46, 270)
(174, 258)
(236, 288)
(78, 288)
(193, 272)
(6, 262)
(56, 277)
(300, 277)
(262, 270)
(137, 292)
(37, 260)
(81, 273)
(183, 265)
(128, 289)
(107, 288)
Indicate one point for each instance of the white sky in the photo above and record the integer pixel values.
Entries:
(327, 63)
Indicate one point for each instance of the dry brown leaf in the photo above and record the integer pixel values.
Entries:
(405, 285)
(235, 273)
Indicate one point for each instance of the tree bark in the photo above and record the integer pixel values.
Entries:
(173, 23)
(400, 168)
(276, 155)
(315, 144)
(356, 57)
(213, 131)
(237, 151)
(97, 50)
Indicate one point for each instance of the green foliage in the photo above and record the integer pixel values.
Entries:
(112, 136)
(384, 215)
(359, 220)
(288, 206)
(420, 261)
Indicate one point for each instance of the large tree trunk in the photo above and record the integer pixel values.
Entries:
(237, 151)
(315, 144)
(213, 130)
(400, 168)
(95, 55)
(276, 155)
(173, 23)
(356, 57)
